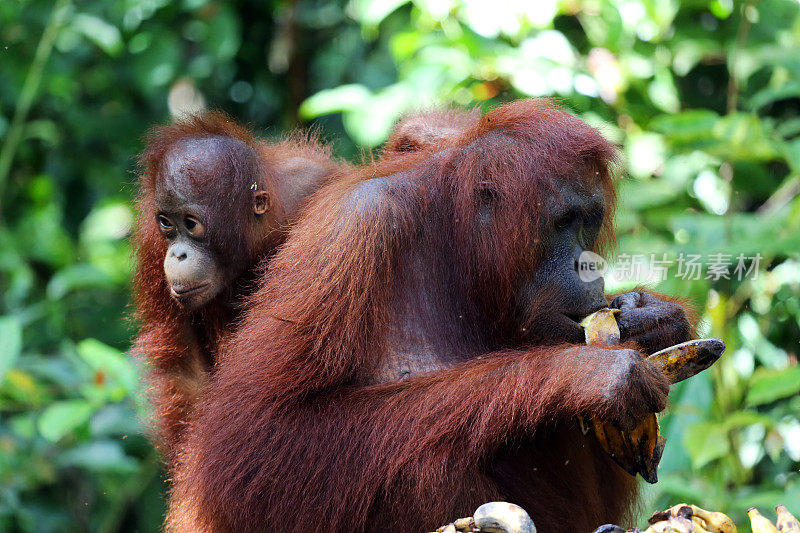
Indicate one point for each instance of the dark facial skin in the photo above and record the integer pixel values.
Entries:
(652, 323)
(194, 272)
(577, 217)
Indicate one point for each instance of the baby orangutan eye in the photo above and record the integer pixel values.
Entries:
(164, 223)
(194, 227)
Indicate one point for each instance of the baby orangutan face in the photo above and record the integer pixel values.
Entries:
(207, 239)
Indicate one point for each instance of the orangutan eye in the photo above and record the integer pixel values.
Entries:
(194, 227)
(164, 223)
(595, 219)
(565, 220)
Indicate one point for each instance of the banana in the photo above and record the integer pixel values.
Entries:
(648, 446)
(710, 521)
(759, 523)
(686, 359)
(673, 524)
(601, 327)
(787, 523)
(701, 527)
(715, 521)
(682, 510)
(636, 451)
(613, 442)
(639, 450)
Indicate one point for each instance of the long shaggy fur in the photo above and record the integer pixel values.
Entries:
(180, 346)
(299, 432)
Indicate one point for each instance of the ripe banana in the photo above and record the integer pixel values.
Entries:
(639, 450)
(759, 523)
(686, 359)
(636, 451)
(787, 523)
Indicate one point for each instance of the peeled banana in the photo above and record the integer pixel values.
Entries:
(639, 450)
(759, 523)
(601, 327)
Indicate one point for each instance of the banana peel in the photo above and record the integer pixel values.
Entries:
(702, 520)
(639, 450)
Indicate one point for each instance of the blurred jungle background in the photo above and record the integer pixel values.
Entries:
(702, 96)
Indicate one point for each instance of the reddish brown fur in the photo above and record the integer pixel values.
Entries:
(179, 345)
(301, 432)
(427, 129)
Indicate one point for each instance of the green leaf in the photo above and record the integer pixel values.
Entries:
(100, 32)
(690, 401)
(78, 276)
(646, 153)
(745, 136)
(641, 194)
(738, 136)
(706, 442)
(370, 124)
(106, 222)
(740, 419)
(10, 343)
(113, 364)
(99, 456)
(791, 150)
(61, 418)
(765, 498)
(742, 233)
(687, 126)
(342, 98)
(662, 92)
(772, 94)
(766, 386)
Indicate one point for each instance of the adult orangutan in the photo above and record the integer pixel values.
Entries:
(214, 205)
(414, 351)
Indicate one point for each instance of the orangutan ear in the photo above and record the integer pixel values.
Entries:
(261, 202)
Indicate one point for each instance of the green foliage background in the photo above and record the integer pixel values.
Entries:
(702, 96)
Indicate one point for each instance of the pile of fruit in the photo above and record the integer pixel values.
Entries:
(684, 518)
